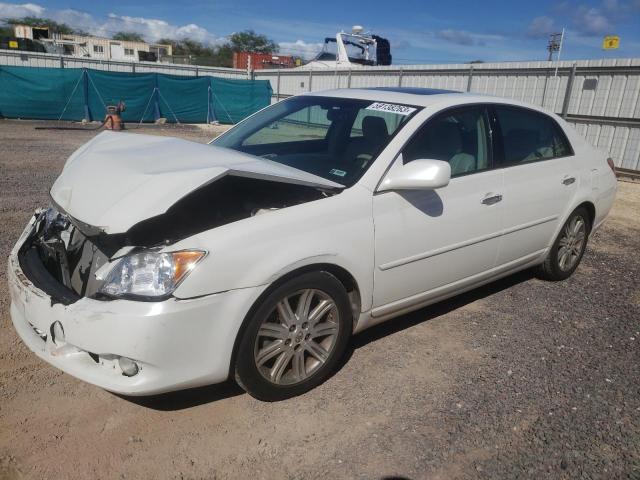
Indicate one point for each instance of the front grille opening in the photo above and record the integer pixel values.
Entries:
(61, 261)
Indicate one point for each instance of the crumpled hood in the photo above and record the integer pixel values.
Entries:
(119, 179)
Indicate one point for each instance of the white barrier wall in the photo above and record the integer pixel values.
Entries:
(31, 59)
(599, 97)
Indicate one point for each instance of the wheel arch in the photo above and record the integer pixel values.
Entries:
(342, 274)
(591, 210)
(585, 203)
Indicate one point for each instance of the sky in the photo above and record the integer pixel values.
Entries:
(420, 31)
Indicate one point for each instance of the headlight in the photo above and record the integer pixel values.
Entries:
(149, 273)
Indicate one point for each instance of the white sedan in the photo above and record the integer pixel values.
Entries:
(164, 264)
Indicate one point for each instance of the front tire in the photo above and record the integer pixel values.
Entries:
(295, 338)
(567, 251)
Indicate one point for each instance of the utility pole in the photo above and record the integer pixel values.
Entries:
(555, 43)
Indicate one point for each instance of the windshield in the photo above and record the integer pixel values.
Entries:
(334, 138)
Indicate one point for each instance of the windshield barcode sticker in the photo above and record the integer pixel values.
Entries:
(391, 108)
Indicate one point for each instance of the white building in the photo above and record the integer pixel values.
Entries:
(94, 47)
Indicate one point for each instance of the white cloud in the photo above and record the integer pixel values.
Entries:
(150, 28)
(426, 48)
(541, 27)
(459, 37)
(300, 48)
(591, 21)
(15, 10)
(595, 21)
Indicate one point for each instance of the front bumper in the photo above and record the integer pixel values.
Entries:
(176, 343)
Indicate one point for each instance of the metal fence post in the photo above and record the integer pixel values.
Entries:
(310, 77)
(567, 93)
(400, 78)
(61, 61)
(278, 87)
(349, 79)
(470, 78)
(85, 94)
(133, 67)
(156, 98)
(197, 71)
(544, 88)
(211, 114)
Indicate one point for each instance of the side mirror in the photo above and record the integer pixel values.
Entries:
(419, 174)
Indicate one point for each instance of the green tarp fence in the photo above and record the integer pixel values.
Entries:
(76, 94)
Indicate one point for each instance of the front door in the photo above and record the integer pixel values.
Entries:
(428, 242)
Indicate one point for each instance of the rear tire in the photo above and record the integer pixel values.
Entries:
(295, 338)
(567, 251)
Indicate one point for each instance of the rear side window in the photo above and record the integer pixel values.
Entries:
(529, 136)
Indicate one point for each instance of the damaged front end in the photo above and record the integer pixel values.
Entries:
(126, 195)
(69, 260)
(59, 259)
(129, 347)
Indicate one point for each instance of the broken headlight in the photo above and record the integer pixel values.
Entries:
(149, 273)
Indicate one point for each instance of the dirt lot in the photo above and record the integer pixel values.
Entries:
(520, 379)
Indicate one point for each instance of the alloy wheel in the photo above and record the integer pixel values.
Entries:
(571, 244)
(297, 337)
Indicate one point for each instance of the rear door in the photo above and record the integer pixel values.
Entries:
(540, 179)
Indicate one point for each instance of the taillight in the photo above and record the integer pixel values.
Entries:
(611, 164)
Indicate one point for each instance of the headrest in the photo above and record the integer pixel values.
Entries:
(446, 140)
(374, 128)
(521, 142)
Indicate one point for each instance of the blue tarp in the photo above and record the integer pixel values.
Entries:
(76, 94)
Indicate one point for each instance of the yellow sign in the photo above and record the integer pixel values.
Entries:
(13, 44)
(611, 42)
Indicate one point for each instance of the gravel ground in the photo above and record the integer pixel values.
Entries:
(519, 379)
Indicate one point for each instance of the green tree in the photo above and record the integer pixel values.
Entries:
(128, 37)
(222, 56)
(188, 47)
(250, 41)
(53, 26)
(6, 31)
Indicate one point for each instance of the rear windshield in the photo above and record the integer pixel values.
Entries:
(335, 138)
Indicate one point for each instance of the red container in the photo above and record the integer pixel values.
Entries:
(258, 61)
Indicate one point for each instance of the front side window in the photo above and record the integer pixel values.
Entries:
(98, 49)
(458, 136)
(529, 136)
(335, 138)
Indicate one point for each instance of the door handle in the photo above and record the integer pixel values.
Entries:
(491, 200)
(568, 180)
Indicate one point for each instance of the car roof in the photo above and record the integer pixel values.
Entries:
(414, 90)
(422, 97)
